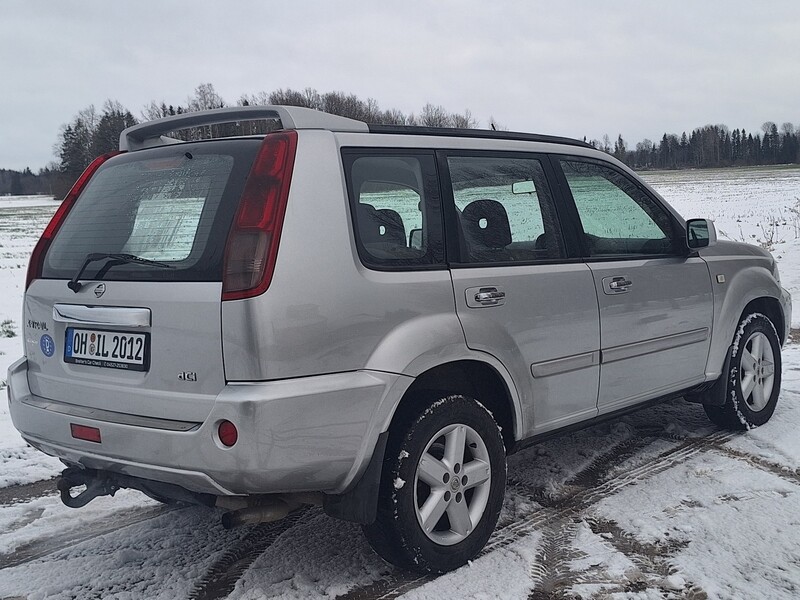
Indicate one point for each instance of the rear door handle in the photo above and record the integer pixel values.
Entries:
(489, 297)
(619, 284)
(485, 296)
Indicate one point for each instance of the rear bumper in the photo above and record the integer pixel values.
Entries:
(309, 434)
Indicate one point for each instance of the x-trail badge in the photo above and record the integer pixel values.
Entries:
(100, 289)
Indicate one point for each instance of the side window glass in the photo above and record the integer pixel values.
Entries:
(505, 210)
(617, 217)
(396, 218)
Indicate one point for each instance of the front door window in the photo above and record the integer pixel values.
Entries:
(618, 218)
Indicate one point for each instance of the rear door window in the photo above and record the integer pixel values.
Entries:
(167, 205)
(505, 210)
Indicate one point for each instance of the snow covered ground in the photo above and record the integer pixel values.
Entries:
(660, 504)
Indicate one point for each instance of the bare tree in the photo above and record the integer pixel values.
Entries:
(434, 116)
(205, 98)
(257, 99)
(464, 120)
(289, 97)
(394, 117)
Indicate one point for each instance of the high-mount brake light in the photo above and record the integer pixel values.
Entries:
(37, 256)
(252, 247)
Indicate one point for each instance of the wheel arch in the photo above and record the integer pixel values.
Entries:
(749, 289)
(470, 377)
(771, 308)
(479, 379)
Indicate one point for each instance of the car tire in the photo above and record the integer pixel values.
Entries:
(442, 486)
(754, 376)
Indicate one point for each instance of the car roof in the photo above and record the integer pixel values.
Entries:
(154, 133)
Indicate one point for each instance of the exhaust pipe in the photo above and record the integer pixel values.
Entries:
(268, 509)
(274, 510)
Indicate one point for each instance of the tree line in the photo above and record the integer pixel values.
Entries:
(93, 132)
(709, 147)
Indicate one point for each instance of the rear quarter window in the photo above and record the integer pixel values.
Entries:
(396, 210)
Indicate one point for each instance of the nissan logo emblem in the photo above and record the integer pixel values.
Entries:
(100, 290)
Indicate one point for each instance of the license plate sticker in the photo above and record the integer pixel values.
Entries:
(107, 349)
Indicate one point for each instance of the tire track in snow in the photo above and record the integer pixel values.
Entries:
(585, 488)
(551, 572)
(221, 577)
(785, 473)
(87, 531)
(652, 561)
(15, 494)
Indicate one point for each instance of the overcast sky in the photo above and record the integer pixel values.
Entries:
(567, 68)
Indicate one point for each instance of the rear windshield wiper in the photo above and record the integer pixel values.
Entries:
(114, 259)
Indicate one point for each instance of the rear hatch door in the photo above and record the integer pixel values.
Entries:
(139, 332)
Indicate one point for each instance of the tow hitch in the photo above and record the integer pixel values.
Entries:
(240, 510)
(96, 485)
(106, 483)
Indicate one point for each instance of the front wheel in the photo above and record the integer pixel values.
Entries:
(754, 378)
(442, 487)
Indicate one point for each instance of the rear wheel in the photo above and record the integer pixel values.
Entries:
(442, 487)
(754, 378)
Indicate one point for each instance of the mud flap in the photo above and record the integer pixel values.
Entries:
(360, 504)
(714, 394)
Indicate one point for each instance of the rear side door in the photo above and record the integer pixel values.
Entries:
(520, 295)
(655, 300)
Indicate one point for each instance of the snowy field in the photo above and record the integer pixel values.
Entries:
(660, 504)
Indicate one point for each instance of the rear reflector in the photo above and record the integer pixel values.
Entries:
(82, 432)
(228, 434)
(252, 247)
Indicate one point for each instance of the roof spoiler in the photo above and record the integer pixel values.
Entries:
(152, 133)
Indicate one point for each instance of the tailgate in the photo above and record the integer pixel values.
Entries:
(143, 348)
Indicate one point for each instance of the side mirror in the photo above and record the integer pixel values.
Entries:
(700, 233)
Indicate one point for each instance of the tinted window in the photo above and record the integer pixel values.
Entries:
(169, 205)
(396, 210)
(618, 218)
(505, 210)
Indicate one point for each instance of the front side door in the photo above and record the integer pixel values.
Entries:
(655, 301)
(519, 295)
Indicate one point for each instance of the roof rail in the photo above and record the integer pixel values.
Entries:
(476, 133)
(146, 135)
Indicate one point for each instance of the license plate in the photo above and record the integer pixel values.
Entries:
(108, 349)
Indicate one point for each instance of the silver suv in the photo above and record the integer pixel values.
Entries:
(370, 318)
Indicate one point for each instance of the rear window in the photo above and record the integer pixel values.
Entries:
(173, 205)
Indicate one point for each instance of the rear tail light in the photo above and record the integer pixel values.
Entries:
(37, 256)
(252, 247)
